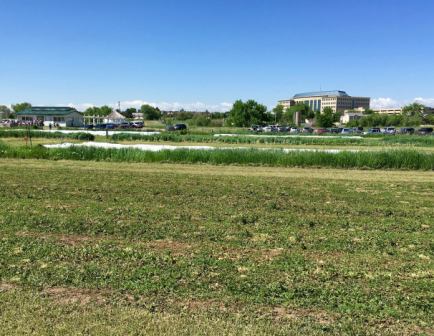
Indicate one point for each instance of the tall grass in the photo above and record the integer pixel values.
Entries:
(48, 135)
(395, 159)
(242, 139)
(300, 140)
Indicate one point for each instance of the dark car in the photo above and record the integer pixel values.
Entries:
(100, 126)
(406, 130)
(425, 130)
(180, 127)
(307, 130)
(111, 126)
(90, 126)
(125, 124)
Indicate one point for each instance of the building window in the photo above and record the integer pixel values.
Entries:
(59, 119)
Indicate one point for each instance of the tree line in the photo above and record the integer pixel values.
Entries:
(250, 112)
(246, 114)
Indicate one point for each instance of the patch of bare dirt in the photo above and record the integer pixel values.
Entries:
(176, 247)
(319, 316)
(270, 254)
(67, 239)
(5, 287)
(64, 295)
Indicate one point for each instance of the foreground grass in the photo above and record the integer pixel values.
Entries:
(107, 248)
(391, 159)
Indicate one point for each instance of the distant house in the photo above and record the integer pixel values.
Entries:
(50, 115)
(350, 116)
(114, 118)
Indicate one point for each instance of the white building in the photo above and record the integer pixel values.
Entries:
(114, 118)
(52, 115)
(338, 101)
(349, 116)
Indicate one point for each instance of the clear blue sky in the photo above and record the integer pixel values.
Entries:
(213, 51)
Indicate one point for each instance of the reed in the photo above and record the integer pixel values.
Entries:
(392, 159)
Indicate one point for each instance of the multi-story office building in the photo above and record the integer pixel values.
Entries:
(338, 101)
(389, 111)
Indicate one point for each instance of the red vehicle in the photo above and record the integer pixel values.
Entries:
(320, 131)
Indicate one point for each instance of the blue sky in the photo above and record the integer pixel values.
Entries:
(206, 54)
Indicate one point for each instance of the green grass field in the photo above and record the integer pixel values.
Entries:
(128, 248)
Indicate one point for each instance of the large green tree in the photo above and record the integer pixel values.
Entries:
(21, 107)
(306, 111)
(4, 111)
(278, 113)
(128, 113)
(326, 118)
(150, 112)
(98, 111)
(414, 109)
(244, 114)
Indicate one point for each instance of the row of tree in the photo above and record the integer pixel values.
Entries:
(245, 114)
(250, 112)
(7, 112)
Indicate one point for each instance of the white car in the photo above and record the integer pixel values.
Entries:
(389, 130)
(347, 131)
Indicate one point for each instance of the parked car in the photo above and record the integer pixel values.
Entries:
(406, 130)
(320, 131)
(347, 131)
(111, 126)
(425, 130)
(373, 131)
(283, 129)
(335, 130)
(100, 126)
(137, 124)
(90, 126)
(294, 130)
(125, 124)
(358, 130)
(177, 127)
(307, 130)
(180, 127)
(389, 130)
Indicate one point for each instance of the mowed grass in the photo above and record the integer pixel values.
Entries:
(104, 248)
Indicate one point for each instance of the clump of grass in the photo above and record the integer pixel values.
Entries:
(394, 159)
(47, 135)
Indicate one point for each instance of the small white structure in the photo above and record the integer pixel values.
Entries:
(349, 116)
(51, 115)
(114, 118)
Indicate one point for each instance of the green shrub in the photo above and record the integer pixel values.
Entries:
(47, 135)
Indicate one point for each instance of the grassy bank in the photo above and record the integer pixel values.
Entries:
(103, 248)
(392, 159)
(48, 135)
(325, 140)
(280, 140)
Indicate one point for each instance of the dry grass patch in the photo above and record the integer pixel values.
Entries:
(65, 239)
